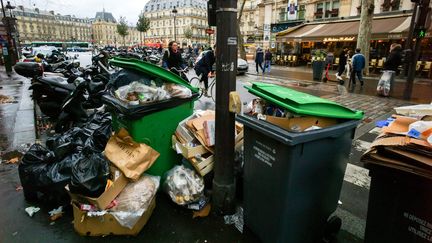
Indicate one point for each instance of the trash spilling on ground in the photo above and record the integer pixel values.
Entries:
(56, 213)
(236, 219)
(32, 210)
(194, 139)
(45, 171)
(183, 185)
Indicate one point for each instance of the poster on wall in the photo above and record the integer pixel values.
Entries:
(266, 32)
(292, 10)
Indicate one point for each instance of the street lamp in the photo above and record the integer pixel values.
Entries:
(174, 11)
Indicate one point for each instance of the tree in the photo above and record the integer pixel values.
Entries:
(143, 25)
(122, 29)
(364, 35)
(239, 34)
(188, 33)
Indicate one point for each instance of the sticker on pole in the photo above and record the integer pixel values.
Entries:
(232, 41)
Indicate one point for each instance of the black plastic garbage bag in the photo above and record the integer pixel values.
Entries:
(89, 174)
(100, 137)
(66, 143)
(127, 76)
(42, 176)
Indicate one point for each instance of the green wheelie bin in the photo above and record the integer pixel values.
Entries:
(292, 180)
(154, 123)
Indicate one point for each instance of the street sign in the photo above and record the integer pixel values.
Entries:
(210, 31)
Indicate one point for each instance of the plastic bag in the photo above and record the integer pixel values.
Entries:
(137, 91)
(40, 172)
(134, 200)
(89, 174)
(384, 83)
(183, 185)
(178, 91)
(126, 76)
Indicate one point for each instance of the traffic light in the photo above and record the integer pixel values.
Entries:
(211, 12)
(420, 33)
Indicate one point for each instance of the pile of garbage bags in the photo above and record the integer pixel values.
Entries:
(45, 171)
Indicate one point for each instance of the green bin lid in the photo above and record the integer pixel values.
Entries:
(151, 70)
(301, 103)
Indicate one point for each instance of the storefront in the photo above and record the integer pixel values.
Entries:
(334, 36)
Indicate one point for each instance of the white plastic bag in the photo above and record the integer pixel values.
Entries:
(183, 185)
(384, 83)
(134, 200)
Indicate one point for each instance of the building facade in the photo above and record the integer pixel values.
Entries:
(248, 24)
(39, 25)
(189, 26)
(105, 31)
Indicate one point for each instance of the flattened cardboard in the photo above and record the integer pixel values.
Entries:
(107, 224)
(400, 125)
(119, 183)
(301, 122)
(187, 151)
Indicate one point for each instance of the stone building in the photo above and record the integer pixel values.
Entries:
(34, 24)
(105, 31)
(190, 21)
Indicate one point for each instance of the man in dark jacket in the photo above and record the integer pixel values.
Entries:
(204, 67)
(268, 58)
(394, 59)
(259, 58)
(342, 63)
(358, 64)
(172, 58)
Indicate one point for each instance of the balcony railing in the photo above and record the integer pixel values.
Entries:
(283, 17)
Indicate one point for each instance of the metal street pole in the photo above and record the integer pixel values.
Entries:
(224, 185)
(174, 11)
(422, 11)
(408, 43)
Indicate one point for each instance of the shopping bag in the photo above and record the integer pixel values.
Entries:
(130, 157)
(383, 87)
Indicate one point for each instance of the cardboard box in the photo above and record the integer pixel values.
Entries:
(301, 122)
(187, 151)
(205, 166)
(107, 224)
(119, 183)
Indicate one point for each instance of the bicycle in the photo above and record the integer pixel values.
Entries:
(196, 82)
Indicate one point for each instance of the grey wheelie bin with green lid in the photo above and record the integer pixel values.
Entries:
(292, 180)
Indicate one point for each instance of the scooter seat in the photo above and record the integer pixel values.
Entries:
(59, 82)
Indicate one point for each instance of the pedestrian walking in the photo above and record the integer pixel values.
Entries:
(358, 64)
(343, 57)
(267, 62)
(259, 58)
(391, 67)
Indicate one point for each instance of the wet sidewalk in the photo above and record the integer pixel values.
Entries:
(16, 112)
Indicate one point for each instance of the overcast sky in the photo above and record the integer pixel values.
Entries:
(88, 8)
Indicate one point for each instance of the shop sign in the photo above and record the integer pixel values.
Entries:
(395, 36)
(250, 39)
(338, 39)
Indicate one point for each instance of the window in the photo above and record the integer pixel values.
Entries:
(319, 10)
(325, 10)
(301, 12)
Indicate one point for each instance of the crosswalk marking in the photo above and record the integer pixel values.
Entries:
(357, 175)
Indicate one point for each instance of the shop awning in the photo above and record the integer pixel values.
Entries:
(382, 28)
